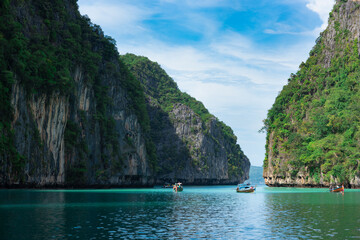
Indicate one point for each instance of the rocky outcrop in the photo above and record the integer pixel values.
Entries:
(88, 135)
(108, 154)
(344, 16)
(192, 154)
(191, 148)
(39, 125)
(312, 138)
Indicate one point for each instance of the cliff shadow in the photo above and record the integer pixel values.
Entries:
(172, 152)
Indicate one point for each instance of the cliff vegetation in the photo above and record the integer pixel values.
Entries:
(313, 128)
(191, 139)
(48, 50)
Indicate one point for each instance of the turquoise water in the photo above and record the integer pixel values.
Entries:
(197, 212)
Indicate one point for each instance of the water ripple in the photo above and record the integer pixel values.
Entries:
(196, 213)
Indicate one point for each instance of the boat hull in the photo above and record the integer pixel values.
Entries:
(245, 190)
(178, 189)
(340, 189)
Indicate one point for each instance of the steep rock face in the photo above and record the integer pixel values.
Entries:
(344, 17)
(74, 121)
(103, 146)
(312, 128)
(192, 145)
(39, 124)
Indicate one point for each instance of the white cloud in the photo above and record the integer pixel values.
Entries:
(322, 8)
(120, 17)
(199, 23)
(286, 31)
(220, 62)
(244, 50)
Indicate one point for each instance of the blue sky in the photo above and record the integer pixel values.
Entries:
(232, 55)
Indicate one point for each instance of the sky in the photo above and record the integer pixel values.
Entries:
(232, 55)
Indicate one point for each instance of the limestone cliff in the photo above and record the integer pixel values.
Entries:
(192, 145)
(313, 132)
(75, 113)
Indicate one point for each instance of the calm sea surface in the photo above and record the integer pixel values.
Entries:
(196, 213)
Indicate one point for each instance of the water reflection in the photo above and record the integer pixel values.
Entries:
(313, 215)
(29, 217)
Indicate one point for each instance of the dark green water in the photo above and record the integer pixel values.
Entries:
(198, 212)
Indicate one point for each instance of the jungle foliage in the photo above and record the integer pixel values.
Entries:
(314, 122)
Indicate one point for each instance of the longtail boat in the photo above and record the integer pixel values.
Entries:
(178, 187)
(337, 189)
(245, 188)
(167, 185)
